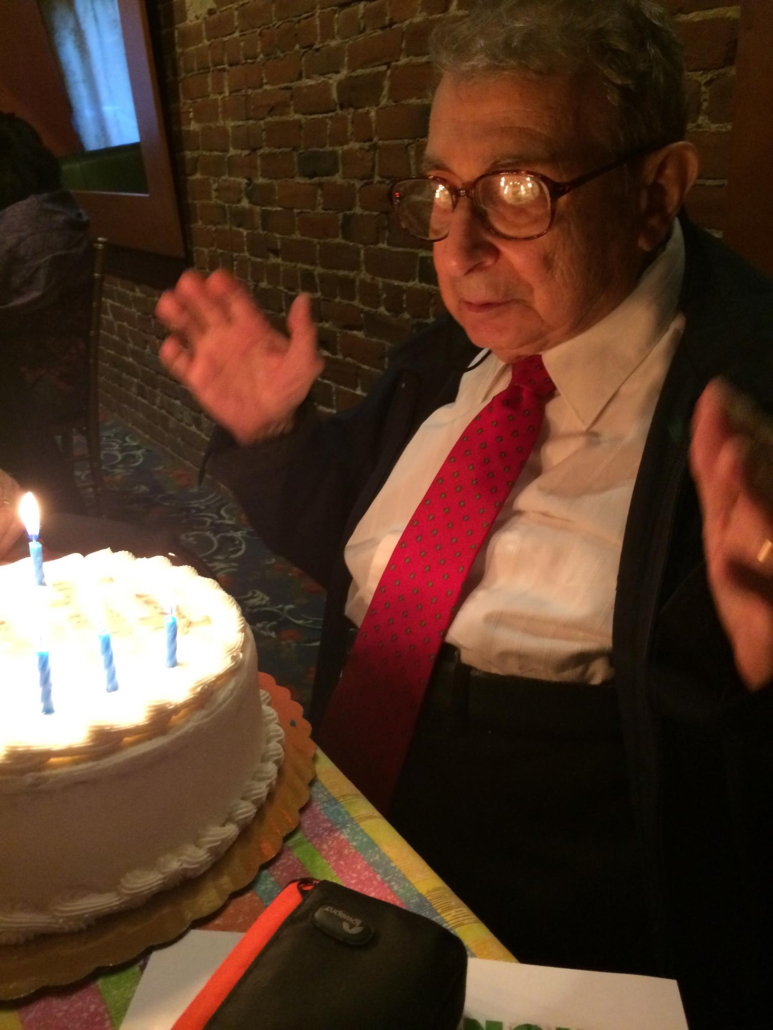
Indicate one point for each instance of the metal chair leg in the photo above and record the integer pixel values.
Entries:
(67, 445)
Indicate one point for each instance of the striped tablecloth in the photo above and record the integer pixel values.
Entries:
(341, 837)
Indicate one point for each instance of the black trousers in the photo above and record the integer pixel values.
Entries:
(515, 792)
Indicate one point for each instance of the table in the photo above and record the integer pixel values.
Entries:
(341, 837)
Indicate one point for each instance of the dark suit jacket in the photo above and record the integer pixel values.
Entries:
(700, 746)
(45, 297)
(28, 450)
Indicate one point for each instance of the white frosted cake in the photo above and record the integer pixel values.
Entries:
(115, 796)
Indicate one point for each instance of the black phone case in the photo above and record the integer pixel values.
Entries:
(344, 961)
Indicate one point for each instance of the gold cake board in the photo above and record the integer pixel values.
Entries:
(57, 959)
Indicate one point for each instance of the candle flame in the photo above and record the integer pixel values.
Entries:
(29, 513)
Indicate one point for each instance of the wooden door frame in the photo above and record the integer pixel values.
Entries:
(141, 221)
(749, 199)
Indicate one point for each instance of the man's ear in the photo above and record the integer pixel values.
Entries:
(667, 176)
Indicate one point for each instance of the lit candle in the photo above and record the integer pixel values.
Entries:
(29, 513)
(171, 637)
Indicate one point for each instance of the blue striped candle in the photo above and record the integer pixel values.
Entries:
(36, 553)
(106, 649)
(29, 513)
(44, 678)
(95, 606)
(171, 638)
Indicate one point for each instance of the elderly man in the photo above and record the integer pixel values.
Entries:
(553, 692)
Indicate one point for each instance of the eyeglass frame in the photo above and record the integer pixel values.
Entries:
(555, 190)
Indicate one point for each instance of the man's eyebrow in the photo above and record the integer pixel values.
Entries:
(514, 161)
(428, 163)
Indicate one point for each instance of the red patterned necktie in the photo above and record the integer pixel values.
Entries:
(370, 719)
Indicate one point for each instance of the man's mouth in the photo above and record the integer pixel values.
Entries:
(482, 307)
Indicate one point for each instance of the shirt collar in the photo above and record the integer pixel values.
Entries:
(589, 369)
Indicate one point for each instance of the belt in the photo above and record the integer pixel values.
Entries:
(459, 696)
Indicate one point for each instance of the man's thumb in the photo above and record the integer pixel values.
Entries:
(300, 323)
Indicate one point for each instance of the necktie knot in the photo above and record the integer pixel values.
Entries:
(530, 374)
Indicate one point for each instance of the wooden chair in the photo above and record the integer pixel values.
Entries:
(86, 421)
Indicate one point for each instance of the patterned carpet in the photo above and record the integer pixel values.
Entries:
(283, 606)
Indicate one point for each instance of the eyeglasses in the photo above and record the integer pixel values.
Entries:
(517, 205)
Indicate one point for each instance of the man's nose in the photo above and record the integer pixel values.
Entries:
(469, 244)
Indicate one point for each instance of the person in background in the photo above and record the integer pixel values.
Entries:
(45, 272)
(45, 284)
(11, 526)
(29, 456)
(588, 760)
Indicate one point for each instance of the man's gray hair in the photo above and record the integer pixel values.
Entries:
(630, 45)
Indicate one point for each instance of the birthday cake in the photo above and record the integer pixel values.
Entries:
(117, 794)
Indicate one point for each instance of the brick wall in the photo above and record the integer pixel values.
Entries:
(287, 117)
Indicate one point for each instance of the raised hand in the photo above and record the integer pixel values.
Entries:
(732, 461)
(246, 375)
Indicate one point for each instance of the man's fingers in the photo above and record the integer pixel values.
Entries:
(721, 490)
(751, 578)
(175, 358)
(181, 308)
(187, 310)
(222, 281)
(222, 285)
(198, 374)
(303, 331)
(241, 309)
(176, 316)
(220, 288)
(204, 306)
(710, 430)
(753, 647)
(242, 371)
(299, 318)
(716, 456)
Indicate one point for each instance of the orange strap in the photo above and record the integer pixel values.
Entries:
(229, 972)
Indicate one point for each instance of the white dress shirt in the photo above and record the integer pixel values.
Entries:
(539, 598)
